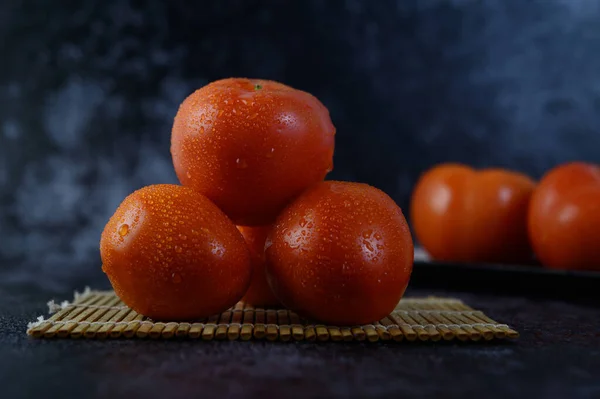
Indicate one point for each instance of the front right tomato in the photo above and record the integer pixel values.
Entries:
(341, 253)
(564, 217)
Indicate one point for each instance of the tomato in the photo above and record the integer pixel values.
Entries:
(564, 217)
(251, 146)
(259, 293)
(341, 253)
(463, 215)
(171, 254)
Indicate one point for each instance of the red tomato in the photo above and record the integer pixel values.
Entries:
(259, 293)
(564, 217)
(463, 215)
(341, 253)
(251, 146)
(171, 254)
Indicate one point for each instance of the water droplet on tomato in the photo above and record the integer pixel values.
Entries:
(123, 230)
(241, 164)
(178, 249)
(175, 278)
(188, 174)
(270, 153)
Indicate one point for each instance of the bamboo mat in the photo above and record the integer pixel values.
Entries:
(100, 314)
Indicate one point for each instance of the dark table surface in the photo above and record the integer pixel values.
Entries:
(557, 356)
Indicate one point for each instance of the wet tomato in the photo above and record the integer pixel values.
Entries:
(259, 293)
(171, 254)
(463, 215)
(341, 253)
(251, 146)
(564, 217)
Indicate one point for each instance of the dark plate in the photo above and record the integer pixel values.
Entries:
(530, 280)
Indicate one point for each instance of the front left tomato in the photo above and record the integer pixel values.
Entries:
(171, 254)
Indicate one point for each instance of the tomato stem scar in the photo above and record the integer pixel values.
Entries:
(257, 86)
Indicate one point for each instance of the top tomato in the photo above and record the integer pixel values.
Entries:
(341, 253)
(251, 146)
(460, 214)
(564, 217)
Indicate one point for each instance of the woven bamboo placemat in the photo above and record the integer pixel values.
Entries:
(100, 314)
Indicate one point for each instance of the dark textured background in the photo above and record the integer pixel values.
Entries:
(88, 90)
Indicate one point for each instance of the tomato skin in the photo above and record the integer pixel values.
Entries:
(463, 215)
(564, 217)
(259, 293)
(341, 253)
(251, 151)
(178, 258)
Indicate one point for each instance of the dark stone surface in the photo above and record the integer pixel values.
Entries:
(557, 356)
